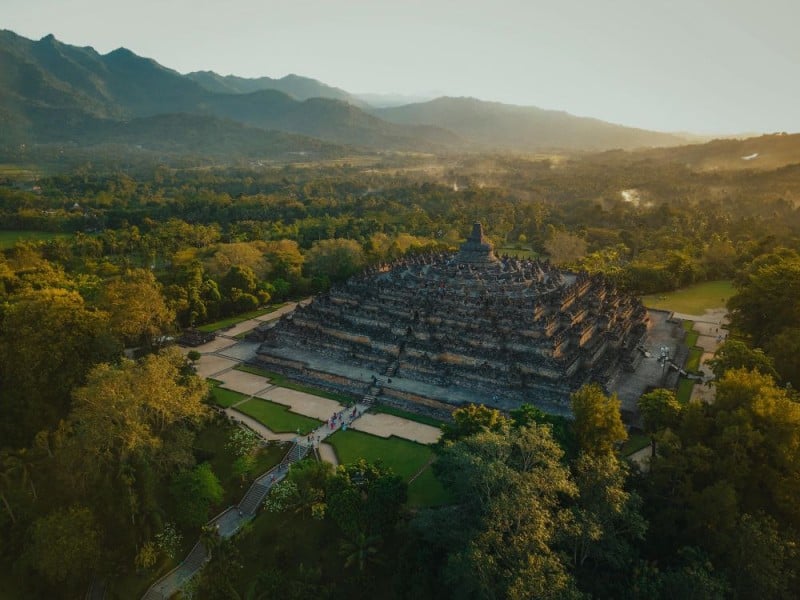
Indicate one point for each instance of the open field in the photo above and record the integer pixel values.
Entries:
(225, 398)
(403, 457)
(277, 417)
(693, 300)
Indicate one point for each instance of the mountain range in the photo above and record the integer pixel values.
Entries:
(51, 92)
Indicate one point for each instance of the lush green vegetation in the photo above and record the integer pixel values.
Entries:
(694, 299)
(100, 455)
(405, 458)
(684, 392)
(278, 417)
(9, 238)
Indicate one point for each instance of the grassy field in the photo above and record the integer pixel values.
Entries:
(684, 393)
(634, 443)
(278, 417)
(226, 398)
(405, 458)
(693, 361)
(285, 382)
(9, 238)
(398, 412)
(217, 325)
(693, 300)
(518, 252)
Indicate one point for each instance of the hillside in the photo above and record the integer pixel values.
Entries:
(765, 152)
(496, 126)
(296, 86)
(50, 91)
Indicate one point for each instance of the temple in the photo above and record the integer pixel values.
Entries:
(439, 330)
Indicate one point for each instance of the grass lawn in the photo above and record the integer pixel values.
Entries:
(239, 318)
(634, 443)
(278, 417)
(518, 252)
(226, 398)
(693, 300)
(693, 361)
(399, 412)
(285, 382)
(9, 238)
(210, 447)
(405, 458)
(684, 392)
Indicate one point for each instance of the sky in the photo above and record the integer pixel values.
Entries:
(703, 66)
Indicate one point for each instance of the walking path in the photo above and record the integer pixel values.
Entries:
(218, 361)
(227, 523)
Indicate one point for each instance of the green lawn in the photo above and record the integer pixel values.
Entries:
(693, 300)
(278, 417)
(239, 318)
(9, 238)
(518, 252)
(285, 382)
(399, 412)
(405, 458)
(634, 443)
(210, 447)
(684, 393)
(693, 361)
(226, 398)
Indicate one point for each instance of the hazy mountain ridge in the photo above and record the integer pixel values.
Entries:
(524, 128)
(49, 86)
(49, 90)
(296, 86)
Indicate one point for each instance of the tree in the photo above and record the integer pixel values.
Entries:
(240, 278)
(733, 354)
(784, 349)
(766, 298)
(659, 409)
(336, 259)
(360, 550)
(564, 247)
(365, 498)
(471, 419)
(509, 486)
(196, 491)
(65, 545)
(139, 313)
(49, 339)
(605, 526)
(598, 423)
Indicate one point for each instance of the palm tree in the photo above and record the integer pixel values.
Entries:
(361, 549)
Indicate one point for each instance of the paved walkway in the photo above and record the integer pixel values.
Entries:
(711, 327)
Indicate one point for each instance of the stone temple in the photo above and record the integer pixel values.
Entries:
(436, 331)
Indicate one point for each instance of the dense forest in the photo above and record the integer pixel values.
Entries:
(104, 467)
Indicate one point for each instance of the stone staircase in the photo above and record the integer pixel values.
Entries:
(371, 396)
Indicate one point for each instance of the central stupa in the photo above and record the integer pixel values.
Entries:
(443, 329)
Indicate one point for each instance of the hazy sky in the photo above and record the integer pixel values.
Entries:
(690, 65)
